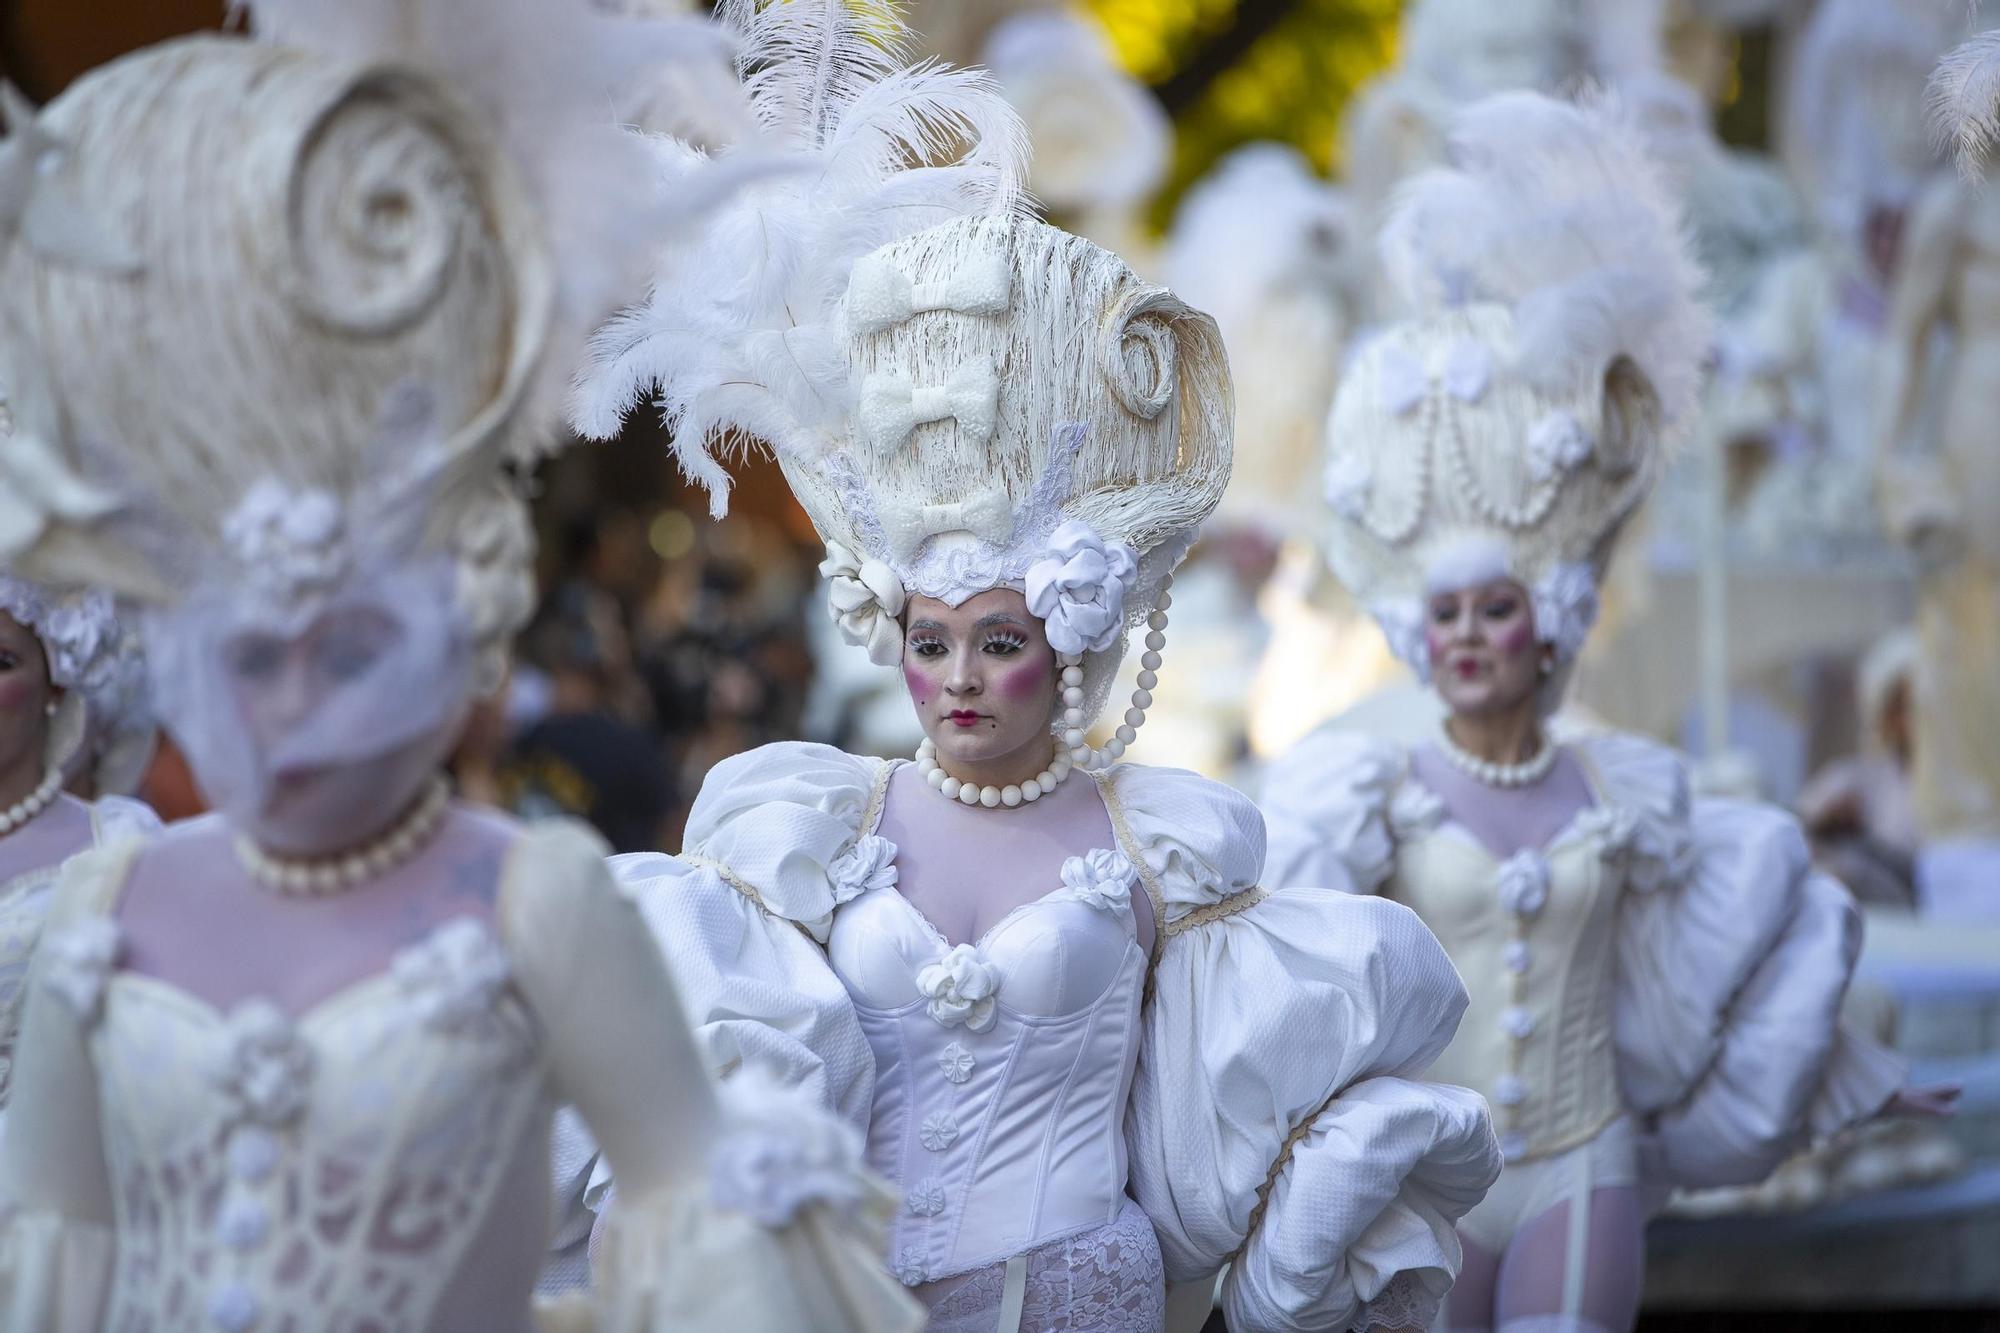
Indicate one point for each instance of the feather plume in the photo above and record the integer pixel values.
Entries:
(554, 79)
(1553, 210)
(735, 339)
(1964, 102)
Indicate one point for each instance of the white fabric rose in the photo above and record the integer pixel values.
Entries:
(1523, 882)
(780, 1152)
(938, 1132)
(926, 1199)
(1565, 609)
(1101, 879)
(292, 544)
(960, 988)
(1515, 957)
(1414, 809)
(1611, 827)
(453, 977)
(265, 1066)
(1510, 1090)
(955, 1063)
(77, 963)
(910, 1266)
(868, 865)
(1078, 589)
(1661, 853)
(865, 597)
(1517, 1022)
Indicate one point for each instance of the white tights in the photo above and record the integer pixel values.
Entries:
(1529, 1287)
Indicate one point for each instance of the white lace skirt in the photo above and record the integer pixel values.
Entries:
(1110, 1280)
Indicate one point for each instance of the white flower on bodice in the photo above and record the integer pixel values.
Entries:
(1661, 852)
(1611, 827)
(452, 979)
(77, 962)
(1523, 882)
(780, 1152)
(265, 1068)
(1101, 879)
(868, 865)
(1414, 809)
(961, 987)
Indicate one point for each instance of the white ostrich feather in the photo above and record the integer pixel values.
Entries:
(1554, 210)
(554, 79)
(1964, 102)
(736, 340)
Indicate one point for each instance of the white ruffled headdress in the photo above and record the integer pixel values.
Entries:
(288, 365)
(984, 402)
(1511, 427)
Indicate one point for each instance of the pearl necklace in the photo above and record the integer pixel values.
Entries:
(317, 879)
(1034, 789)
(32, 804)
(1524, 774)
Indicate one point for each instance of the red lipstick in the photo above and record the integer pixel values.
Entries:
(963, 717)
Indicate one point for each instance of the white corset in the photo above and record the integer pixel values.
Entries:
(1002, 1066)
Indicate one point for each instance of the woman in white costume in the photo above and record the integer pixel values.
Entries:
(62, 658)
(1092, 1053)
(1655, 979)
(293, 1067)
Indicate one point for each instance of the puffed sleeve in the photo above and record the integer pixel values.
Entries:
(1278, 1121)
(753, 1214)
(1330, 803)
(773, 844)
(1733, 958)
(56, 1239)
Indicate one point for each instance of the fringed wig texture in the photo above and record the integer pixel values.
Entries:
(1512, 425)
(306, 235)
(1060, 386)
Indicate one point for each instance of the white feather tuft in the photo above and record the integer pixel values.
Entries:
(1554, 210)
(735, 338)
(1964, 99)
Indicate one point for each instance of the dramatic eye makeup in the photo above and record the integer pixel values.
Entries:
(924, 639)
(1005, 642)
(1500, 608)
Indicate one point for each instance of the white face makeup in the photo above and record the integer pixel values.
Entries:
(314, 732)
(1484, 654)
(982, 679)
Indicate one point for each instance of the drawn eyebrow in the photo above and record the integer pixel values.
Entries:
(916, 625)
(999, 618)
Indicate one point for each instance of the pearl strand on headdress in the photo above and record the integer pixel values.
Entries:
(315, 879)
(1127, 731)
(33, 803)
(965, 793)
(1524, 774)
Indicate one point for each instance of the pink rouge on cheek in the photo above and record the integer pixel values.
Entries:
(917, 683)
(17, 692)
(1516, 639)
(1025, 682)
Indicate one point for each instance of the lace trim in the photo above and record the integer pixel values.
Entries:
(1220, 910)
(744, 887)
(878, 797)
(1284, 1157)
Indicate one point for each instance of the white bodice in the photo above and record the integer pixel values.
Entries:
(1002, 1066)
(259, 1163)
(1534, 937)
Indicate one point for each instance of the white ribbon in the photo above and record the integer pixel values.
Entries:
(880, 296)
(988, 516)
(892, 407)
(864, 598)
(1468, 367)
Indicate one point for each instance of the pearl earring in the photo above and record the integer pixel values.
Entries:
(49, 708)
(1548, 666)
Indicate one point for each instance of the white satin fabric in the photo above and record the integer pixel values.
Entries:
(1260, 1097)
(1729, 956)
